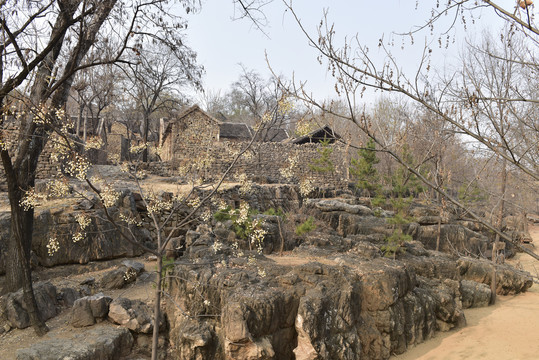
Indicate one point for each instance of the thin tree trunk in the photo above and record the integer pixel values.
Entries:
(145, 130)
(282, 238)
(439, 231)
(499, 224)
(85, 129)
(157, 308)
(18, 271)
(493, 285)
(21, 222)
(81, 108)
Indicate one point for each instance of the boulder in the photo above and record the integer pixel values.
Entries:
(118, 278)
(101, 241)
(67, 297)
(14, 309)
(509, 281)
(132, 314)
(346, 223)
(346, 219)
(135, 265)
(454, 239)
(81, 314)
(329, 205)
(88, 309)
(429, 220)
(99, 342)
(474, 294)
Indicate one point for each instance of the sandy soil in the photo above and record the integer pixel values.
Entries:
(507, 330)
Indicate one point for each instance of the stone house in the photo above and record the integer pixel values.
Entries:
(324, 133)
(196, 129)
(197, 137)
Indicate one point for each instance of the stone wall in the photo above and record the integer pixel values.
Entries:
(190, 136)
(46, 168)
(262, 163)
(192, 145)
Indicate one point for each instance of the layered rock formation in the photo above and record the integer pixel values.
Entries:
(334, 297)
(101, 240)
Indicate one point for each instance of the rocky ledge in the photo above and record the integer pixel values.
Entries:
(322, 304)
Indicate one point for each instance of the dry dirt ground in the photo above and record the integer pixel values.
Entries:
(71, 276)
(507, 330)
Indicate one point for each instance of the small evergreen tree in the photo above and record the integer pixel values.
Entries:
(404, 186)
(363, 168)
(403, 182)
(323, 164)
(394, 242)
(471, 194)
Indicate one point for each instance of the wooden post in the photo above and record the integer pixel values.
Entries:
(161, 130)
(493, 285)
(84, 133)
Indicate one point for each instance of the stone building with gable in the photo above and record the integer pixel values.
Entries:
(196, 136)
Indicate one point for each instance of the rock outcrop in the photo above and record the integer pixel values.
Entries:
(339, 298)
(101, 241)
(13, 309)
(98, 342)
(333, 296)
(315, 310)
(132, 314)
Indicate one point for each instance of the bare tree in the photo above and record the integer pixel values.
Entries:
(355, 71)
(29, 59)
(155, 79)
(94, 90)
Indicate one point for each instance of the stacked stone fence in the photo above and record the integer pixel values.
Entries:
(262, 162)
(46, 169)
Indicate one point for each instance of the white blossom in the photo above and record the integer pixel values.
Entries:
(53, 246)
(109, 196)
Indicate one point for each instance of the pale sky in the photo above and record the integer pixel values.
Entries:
(222, 43)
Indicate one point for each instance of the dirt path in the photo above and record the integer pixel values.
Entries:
(507, 330)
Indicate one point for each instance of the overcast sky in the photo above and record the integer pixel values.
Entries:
(223, 43)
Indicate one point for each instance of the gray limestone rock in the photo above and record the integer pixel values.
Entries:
(88, 309)
(135, 265)
(81, 314)
(327, 205)
(97, 343)
(509, 281)
(14, 308)
(132, 314)
(474, 294)
(67, 297)
(118, 278)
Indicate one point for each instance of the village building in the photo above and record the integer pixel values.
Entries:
(195, 136)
